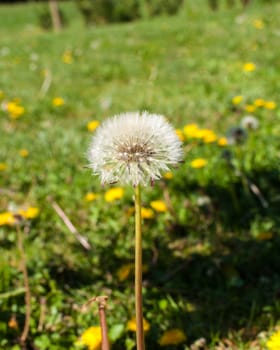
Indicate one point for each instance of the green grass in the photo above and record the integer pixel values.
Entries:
(209, 271)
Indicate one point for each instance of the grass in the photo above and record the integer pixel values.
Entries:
(213, 258)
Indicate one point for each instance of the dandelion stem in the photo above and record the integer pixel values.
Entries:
(102, 317)
(138, 271)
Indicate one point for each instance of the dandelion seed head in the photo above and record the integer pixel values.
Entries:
(134, 148)
(249, 122)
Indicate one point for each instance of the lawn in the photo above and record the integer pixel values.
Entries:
(211, 230)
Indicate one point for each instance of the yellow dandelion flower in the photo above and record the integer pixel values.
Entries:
(270, 105)
(168, 175)
(14, 109)
(131, 325)
(90, 196)
(222, 141)
(250, 108)
(249, 67)
(92, 125)
(58, 102)
(29, 213)
(210, 137)
(259, 102)
(124, 272)
(159, 206)
(236, 100)
(7, 218)
(23, 153)
(190, 130)
(114, 194)
(147, 213)
(3, 166)
(91, 338)
(198, 163)
(172, 337)
(67, 57)
(258, 23)
(273, 342)
(180, 134)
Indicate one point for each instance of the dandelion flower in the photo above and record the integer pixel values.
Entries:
(91, 338)
(168, 175)
(222, 141)
(131, 325)
(198, 163)
(90, 196)
(7, 218)
(270, 105)
(58, 102)
(29, 213)
(134, 148)
(23, 153)
(250, 108)
(172, 337)
(249, 122)
(114, 194)
(3, 166)
(180, 134)
(159, 206)
(249, 67)
(236, 100)
(92, 125)
(273, 342)
(258, 23)
(147, 213)
(259, 102)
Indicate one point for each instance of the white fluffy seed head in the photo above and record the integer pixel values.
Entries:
(134, 148)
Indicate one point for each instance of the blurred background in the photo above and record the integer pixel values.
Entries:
(211, 226)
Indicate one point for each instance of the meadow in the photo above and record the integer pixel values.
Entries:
(211, 226)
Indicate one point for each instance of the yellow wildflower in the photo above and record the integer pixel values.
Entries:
(14, 109)
(29, 213)
(3, 166)
(90, 196)
(270, 105)
(23, 153)
(58, 102)
(198, 163)
(250, 108)
(92, 125)
(114, 194)
(91, 338)
(124, 272)
(67, 57)
(209, 137)
(249, 67)
(222, 141)
(259, 102)
(180, 134)
(273, 342)
(168, 175)
(159, 206)
(258, 23)
(172, 337)
(131, 325)
(7, 218)
(190, 130)
(147, 213)
(236, 100)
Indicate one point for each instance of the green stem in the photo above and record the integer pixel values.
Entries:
(138, 271)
